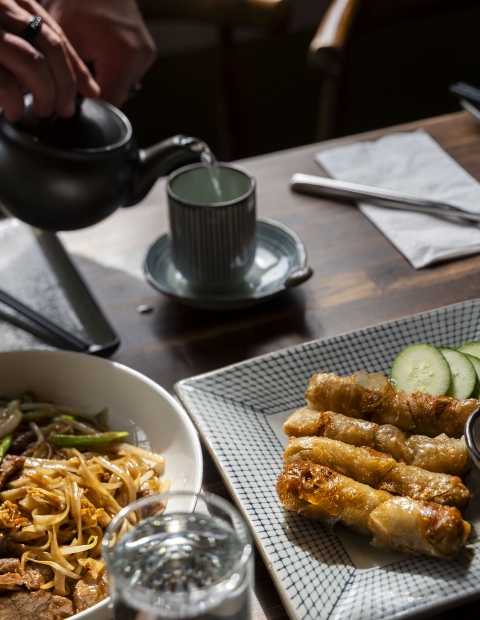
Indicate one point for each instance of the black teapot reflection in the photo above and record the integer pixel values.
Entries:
(65, 174)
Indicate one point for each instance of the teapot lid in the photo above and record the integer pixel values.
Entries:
(96, 125)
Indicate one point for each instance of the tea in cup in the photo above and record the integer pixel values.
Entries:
(212, 211)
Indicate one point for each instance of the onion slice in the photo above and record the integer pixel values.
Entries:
(9, 420)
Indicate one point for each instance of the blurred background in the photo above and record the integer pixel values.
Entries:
(255, 76)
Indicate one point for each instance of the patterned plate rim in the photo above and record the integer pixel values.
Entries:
(179, 384)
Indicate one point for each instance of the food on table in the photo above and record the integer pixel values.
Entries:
(396, 523)
(380, 460)
(464, 378)
(472, 348)
(306, 422)
(441, 454)
(63, 478)
(372, 397)
(421, 368)
(476, 364)
(379, 470)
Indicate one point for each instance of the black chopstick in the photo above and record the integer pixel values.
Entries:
(69, 340)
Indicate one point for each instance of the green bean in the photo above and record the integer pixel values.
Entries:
(101, 416)
(74, 441)
(5, 444)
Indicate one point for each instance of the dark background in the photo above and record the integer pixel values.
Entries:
(394, 75)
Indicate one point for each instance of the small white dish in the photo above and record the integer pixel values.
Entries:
(136, 404)
(280, 263)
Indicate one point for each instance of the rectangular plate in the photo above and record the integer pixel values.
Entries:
(36, 269)
(312, 570)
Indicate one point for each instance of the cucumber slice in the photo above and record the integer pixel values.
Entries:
(464, 377)
(472, 348)
(421, 368)
(476, 364)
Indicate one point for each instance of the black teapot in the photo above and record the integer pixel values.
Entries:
(65, 174)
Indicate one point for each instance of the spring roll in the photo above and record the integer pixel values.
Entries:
(373, 398)
(412, 526)
(319, 493)
(310, 423)
(440, 454)
(379, 470)
(417, 527)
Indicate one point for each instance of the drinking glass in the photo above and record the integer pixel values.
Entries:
(179, 555)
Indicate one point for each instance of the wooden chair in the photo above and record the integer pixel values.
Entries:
(235, 133)
(343, 22)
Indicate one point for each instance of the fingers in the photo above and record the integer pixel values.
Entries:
(30, 70)
(10, 96)
(49, 67)
(60, 67)
(116, 73)
(86, 85)
(114, 85)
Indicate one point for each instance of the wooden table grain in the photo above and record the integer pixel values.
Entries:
(359, 279)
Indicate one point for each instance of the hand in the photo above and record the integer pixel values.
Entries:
(48, 67)
(110, 34)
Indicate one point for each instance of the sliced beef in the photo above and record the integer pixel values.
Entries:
(10, 565)
(90, 590)
(45, 571)
(10, 465)
(39, 605)
(7, 547)
(13, 576)
(22, 442)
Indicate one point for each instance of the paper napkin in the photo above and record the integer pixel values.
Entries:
(413, 163)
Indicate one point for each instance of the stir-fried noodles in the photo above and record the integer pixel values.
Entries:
(63, 479)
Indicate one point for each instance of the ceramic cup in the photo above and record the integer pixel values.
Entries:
(212, 215)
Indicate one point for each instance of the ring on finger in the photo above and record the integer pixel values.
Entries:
(33, 28)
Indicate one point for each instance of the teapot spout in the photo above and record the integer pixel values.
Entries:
(161, 159)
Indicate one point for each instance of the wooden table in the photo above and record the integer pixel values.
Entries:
(360, 279)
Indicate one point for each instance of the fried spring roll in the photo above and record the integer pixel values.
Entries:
(404, 524)
(379, 470)
(372, 397)
(440, 454)
(412, 526)
(321, 494)
(310, 423)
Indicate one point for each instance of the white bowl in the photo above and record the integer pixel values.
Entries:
(136, 404)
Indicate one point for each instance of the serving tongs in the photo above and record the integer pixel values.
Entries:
(341, 190)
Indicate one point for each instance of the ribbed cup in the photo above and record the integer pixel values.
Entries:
(213, 243)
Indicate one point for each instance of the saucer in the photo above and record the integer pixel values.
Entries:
(280, 263)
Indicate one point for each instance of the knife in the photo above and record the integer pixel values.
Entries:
(338, 190)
